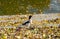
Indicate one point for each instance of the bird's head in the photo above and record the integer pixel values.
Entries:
(30, 16)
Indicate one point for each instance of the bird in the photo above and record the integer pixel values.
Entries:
(28, 22)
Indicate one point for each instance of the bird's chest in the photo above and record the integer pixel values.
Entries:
(30, 21)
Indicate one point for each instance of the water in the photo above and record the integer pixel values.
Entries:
(54, 7)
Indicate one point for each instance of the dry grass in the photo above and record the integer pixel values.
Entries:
(38, 30)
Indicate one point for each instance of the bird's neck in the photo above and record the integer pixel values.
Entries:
(30, 21)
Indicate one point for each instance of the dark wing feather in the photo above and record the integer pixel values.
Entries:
(26, 22)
